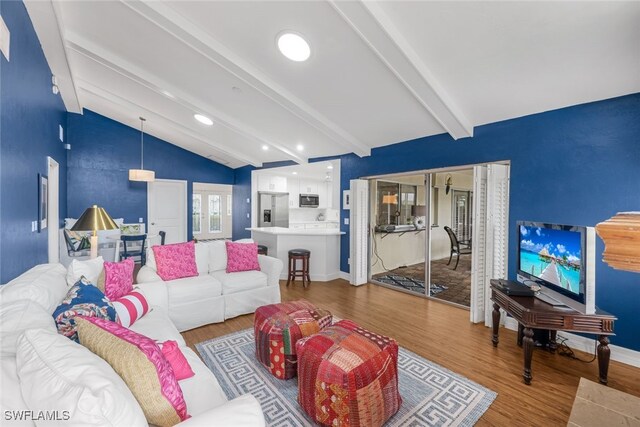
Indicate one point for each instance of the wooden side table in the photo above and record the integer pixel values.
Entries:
(531, 313)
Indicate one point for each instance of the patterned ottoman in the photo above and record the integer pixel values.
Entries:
(277, 328)
(348, 376)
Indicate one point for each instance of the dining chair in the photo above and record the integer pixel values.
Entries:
(134, 250)
(162, 234)
(457, 247)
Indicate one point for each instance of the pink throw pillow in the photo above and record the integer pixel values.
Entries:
(118, 278)
(176, 260)
(130, 308)
(242, 257)
(176, 359)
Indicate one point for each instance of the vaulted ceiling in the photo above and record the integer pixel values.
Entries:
(379, 72)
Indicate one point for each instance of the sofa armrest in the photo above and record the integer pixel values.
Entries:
(156, 293)
(243, 411)
(147, 274)
(272, 267)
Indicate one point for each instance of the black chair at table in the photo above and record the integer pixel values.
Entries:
(162, 234)
(134, 251)
(457, 247)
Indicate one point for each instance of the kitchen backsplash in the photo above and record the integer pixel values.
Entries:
(311, 214)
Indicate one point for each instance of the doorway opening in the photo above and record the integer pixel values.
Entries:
(212, 213)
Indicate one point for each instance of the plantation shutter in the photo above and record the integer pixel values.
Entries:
(358, 232)
(497, 229)
(479, 281)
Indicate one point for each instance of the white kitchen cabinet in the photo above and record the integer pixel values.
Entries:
(272, 183)
(333, 225)
(297, 226)
(315, 226)
(322, 195)
(293, 186)
(308, 186)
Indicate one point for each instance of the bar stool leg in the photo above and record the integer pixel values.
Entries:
(306, 271)
(290, 272)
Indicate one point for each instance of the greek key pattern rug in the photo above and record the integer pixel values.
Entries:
(431, 394)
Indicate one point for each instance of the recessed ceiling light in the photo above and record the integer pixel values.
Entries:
(330, 167)
(293, 46)
(294, 173)
(203, 119)
(299, 147)
(265, 147)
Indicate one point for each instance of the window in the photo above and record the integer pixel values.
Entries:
(197, 211)
(394, 202)
(215, 220)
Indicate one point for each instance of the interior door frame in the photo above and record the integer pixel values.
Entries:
(53, 210)
(150, 190)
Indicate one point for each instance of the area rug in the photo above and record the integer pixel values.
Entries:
(410, 284)
(431, 394)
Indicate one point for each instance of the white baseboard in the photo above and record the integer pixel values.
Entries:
(578, 342)
(316, 277)
(345, 276)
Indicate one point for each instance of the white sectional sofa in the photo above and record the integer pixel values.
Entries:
(35, 359)
(215, 295)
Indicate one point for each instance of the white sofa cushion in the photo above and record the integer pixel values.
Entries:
(243, 411)
(151, 259)
(190, 289)
(10, 396)
(157, 325)
(45, 284)
(17, 317)
(241, 281)
(217, 255)
(202, 258)
(202, 391)
(90, 269)
(58, 374)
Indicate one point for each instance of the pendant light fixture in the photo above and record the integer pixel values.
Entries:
(142, 174)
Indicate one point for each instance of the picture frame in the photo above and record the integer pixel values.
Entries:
(43, 202)
(346, 200)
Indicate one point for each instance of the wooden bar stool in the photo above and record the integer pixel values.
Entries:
(294, 256)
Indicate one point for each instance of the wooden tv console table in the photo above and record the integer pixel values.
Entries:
(531, 313)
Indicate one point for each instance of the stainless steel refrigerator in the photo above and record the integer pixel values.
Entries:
(273, 209)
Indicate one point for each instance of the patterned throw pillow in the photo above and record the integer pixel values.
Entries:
(131, 307)
(83, 299)
(242, 257)
(118, 278)
(77, 240)
(140, 363)
(176, 261)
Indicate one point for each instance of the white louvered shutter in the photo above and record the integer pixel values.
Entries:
(358, 230)
(478, 259)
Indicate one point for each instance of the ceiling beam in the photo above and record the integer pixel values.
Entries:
(154, 117)
(166, 18)
(107, 59)
(47, 21)
(375, 28)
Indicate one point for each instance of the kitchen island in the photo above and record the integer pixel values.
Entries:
(324, 244)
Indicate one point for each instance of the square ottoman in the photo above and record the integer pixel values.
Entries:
(277, 328)
(348, 376)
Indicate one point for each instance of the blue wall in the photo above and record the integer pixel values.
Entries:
(577, 165)
(30, 115)
(103, 151)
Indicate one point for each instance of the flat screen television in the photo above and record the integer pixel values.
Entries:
(560, 258)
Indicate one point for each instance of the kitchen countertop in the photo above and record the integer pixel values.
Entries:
(298, 231)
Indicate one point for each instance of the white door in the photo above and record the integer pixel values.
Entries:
(53, 210)
(167, 209)
(358, 229)
(212, 211)
(478, 274)
(497, 230)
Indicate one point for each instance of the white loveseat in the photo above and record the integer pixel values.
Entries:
(42, 370)
(215, 295)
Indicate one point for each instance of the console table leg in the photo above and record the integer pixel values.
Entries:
(603, 358)
(520, 332)
(528, 354)
(496, 323)
(553, 335)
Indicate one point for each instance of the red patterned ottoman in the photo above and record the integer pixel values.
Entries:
(277, 328)
(348, 376)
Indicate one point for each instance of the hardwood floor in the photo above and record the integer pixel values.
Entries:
(444, 335)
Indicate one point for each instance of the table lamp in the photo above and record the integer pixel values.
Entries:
(389, 199)
(94, 219)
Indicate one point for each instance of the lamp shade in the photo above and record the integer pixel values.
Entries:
(418, 210)
(94, 218)
(621, 236)
(141, 175)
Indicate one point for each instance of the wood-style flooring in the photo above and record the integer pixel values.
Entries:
(443, 334)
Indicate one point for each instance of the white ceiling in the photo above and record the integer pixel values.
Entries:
(379, 72)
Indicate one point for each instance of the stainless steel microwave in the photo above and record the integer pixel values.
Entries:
(309, 200)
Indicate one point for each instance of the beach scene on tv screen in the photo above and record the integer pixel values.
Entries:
(551, 255)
